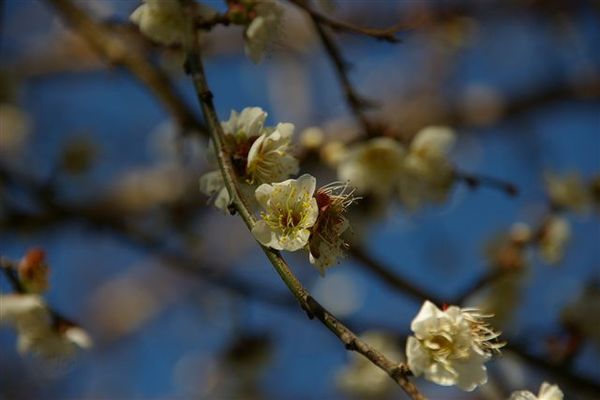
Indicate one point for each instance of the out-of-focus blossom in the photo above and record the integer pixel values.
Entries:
(450, 347)
(161, 20)
(547, 392)
(33, 271)
(259, 154)
(333, 153)
(508, 251)
(361, 376)
(263, 29)
(312, 138)
(578, 314)
(145, 188)
(37, 331)
(373, 167)
(15, 127)
(428, 174)
(326, 244)
(567, 191)
(555, 235)
(290, 212)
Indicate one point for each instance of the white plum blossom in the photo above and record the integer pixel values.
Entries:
(428, 174)
(556, 233)
(290, 211)
(263, 30)
(326, 244)
(161, 20)
(364, 378)
(547, 392)
(373, 167)
(259, 154)
(38, 332)
(450, 347)
(269, 159)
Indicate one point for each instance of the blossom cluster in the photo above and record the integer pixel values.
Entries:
(295, 213)
(40, 331)
(383, 167)
(164, 22)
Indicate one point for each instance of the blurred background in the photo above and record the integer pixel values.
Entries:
(179, 299)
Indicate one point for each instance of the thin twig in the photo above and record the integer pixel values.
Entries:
(385, 34)
(115, 48)
(356, 103)
(398, 372)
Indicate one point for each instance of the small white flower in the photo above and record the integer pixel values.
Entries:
(373, 167)
(556, 233)
(547, 392)
(290, 212)
(263, 29)
(269, 159)
(567, 191)
(361, 376)
(450, 347)
(428, 174)
(326, 244)
(161, 20)
(37, 332)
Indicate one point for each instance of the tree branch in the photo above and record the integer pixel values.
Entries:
(398, 372)
(385, 34)
(115, 48)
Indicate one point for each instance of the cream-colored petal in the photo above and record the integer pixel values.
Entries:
(263, 194)
(307, 184)
(297, 242)
(265, 236)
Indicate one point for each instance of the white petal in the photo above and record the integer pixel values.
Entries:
(263, 194)
(265, 236)
(211, 183)
(522, 395)
(433, 141)
(297, 242)
(427, 312)
(471, 373)
(307, 184)
(550, 392)
(417, 358)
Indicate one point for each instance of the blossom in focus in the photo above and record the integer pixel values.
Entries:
(290, 210)
(263, 30)
(361, 376)
(38, 332)
(326, 244)
(161, 20)
(373, 167)
(567, 191)
(428, 175)
(450, 347)
(269, 159)
(547, 392)
(259, 154)
(556, 233)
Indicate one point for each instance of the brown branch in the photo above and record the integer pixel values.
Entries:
(120, 50)
(398, 372)
(385, 34)
(356, 103)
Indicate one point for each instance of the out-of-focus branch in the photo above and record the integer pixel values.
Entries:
(385, 34)
(356, 103)
(120, 50)
(398, 372)
(390, 277)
